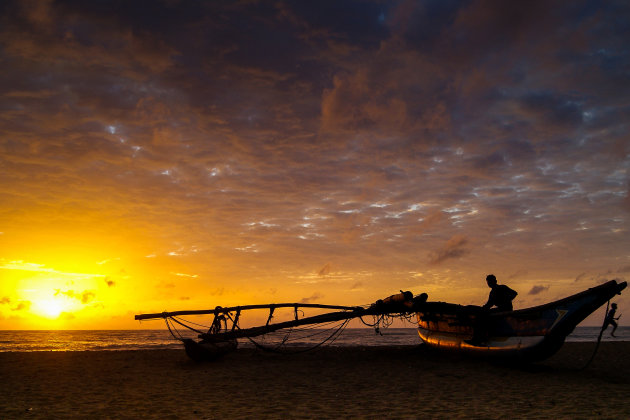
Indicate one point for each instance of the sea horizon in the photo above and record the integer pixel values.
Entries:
(156, 339)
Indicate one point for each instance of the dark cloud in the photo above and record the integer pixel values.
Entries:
(538, 289)
(314, 298)
(580, 277)
(356, 286)
(519, 273)
(22, 305)
(558, 109)
(325, 270)
(456, 247)
(87, 296)
(84, 297)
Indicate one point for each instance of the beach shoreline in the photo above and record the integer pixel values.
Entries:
(333, 382)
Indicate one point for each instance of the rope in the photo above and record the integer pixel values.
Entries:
(599, 339)
(174, 319)
(176, 337)
(206, 327)
(276, 349)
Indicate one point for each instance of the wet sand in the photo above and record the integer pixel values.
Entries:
(348, 382)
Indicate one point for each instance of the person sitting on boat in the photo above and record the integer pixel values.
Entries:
(611, 320)
(501, 296)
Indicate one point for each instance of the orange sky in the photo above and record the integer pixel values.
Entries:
(166, 156)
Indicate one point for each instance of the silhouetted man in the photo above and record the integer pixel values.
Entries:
(611, 320)
(501, 296)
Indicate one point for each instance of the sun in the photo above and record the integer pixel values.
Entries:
(50, 308)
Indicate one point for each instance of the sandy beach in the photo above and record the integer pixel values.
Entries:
(346, 382)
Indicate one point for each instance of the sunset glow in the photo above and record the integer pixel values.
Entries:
(49, 308)
(188, 155)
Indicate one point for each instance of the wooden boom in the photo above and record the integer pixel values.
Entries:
(222, 310)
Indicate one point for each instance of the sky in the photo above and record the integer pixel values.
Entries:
(169, 155)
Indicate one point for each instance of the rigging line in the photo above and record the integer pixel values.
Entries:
(337, 333)
(319, 332)
(171, 331)
(234, 321)
(330, 339)
(321, 326)
(298, 337)
(316, 326)
(186, 326)
(599, 339)
(301, 332)
(190, 322)
(367, 324)
(286, 337)
(272, 349)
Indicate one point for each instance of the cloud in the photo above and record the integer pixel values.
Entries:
(357, 286)
(456, 247)
(368, 133)
(517, 274)
(5, 300)
(430, 220)
(22, 305)
(314, 298)
(324, 271)
(579, 277)
(194, 276)
(538, 289)
(84, 297)
(87, 296)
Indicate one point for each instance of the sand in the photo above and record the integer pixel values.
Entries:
(350, 382)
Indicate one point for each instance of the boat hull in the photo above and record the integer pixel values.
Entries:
(529, 334)
(205, 351)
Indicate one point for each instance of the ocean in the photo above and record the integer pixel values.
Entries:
(113, 340)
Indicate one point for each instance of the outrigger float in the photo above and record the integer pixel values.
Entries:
(524, 335)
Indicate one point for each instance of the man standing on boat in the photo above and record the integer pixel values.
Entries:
(501, 296)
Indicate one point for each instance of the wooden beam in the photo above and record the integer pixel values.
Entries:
(222, 310)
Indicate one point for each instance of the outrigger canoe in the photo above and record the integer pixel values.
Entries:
(531, 334)
(524, 335)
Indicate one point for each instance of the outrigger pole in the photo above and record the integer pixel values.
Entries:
(396, 304)
(222, 310)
